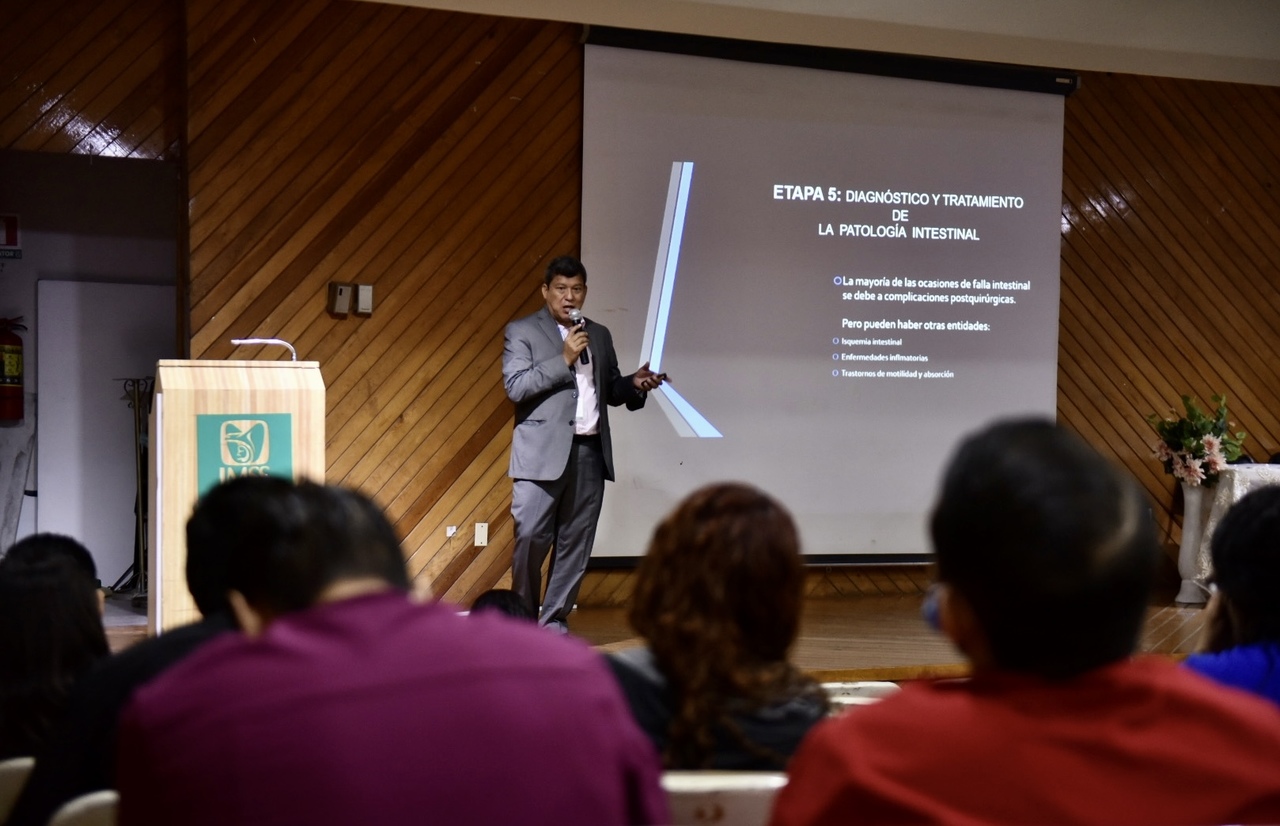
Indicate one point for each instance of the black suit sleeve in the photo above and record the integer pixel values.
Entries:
(619, 389)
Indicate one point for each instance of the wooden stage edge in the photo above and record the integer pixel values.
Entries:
(885, 637)
(854, 637)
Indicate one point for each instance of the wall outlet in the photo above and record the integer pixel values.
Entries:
(482, 534)
(450, 531)
(339, 297)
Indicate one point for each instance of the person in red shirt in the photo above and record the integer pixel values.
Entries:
(1045, 557)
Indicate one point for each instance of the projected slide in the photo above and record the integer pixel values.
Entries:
(842, 275)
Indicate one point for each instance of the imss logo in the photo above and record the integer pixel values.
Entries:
(245, 443)
(240, 445)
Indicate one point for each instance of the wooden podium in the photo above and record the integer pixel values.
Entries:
(212, 420)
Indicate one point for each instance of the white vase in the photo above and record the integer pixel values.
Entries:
(1196, 502)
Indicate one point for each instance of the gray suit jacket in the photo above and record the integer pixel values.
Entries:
(545, 394)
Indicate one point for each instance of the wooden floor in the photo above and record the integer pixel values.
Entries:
(884, 638)
(853, 638)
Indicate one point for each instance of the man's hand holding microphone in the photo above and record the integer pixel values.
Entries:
(575, 344)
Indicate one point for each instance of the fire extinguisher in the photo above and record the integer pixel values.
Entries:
(11, 375)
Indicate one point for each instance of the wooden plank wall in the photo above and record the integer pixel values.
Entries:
(1170, 263)
(436, 156)
(92, 78)
(432, 155)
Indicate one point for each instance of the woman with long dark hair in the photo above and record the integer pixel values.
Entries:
(50, 633)
(717, 600)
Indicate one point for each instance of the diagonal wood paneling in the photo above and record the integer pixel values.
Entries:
(1171, 248)
(433, 155)
(436, 156)
(93, 77)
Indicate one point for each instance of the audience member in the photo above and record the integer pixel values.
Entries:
(50, 634)
(80, 757)
(503, 601)
(42, 547)
(45, 547)
(717, 600)
(1241, 647)
(1045, 556)
(347, 701)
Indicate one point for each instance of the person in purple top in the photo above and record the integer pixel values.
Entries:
(1241, 644)
(346, 700)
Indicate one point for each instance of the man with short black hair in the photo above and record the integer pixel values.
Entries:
(1045, 557)
(347, 700)
(561, 372)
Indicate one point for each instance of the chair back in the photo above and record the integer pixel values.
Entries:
(92, 809)
(842, 695)
(734, 798)
(13, 776)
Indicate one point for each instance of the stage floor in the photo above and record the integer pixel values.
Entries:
(847, 638)
(885, 638)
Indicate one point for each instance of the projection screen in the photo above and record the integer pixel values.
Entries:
(841, 273)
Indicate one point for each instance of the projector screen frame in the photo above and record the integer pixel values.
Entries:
(884, 64)
(623, 563)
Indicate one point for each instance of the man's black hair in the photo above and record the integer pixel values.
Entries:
(235, 514)
(1051, 546)
(565, 265)
(307, 540)
(503, 601)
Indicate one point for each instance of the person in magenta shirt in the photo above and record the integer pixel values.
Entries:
(347, 700)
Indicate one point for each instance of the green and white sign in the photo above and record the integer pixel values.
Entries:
(242, 445)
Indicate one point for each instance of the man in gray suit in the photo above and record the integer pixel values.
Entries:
(562, 373)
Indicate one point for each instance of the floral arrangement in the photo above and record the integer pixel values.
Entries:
(1196, 447)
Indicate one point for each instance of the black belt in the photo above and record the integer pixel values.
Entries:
(593, 438)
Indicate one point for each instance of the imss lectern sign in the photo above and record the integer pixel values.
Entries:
(213, 420)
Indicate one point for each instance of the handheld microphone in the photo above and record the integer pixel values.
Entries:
(575, 315)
